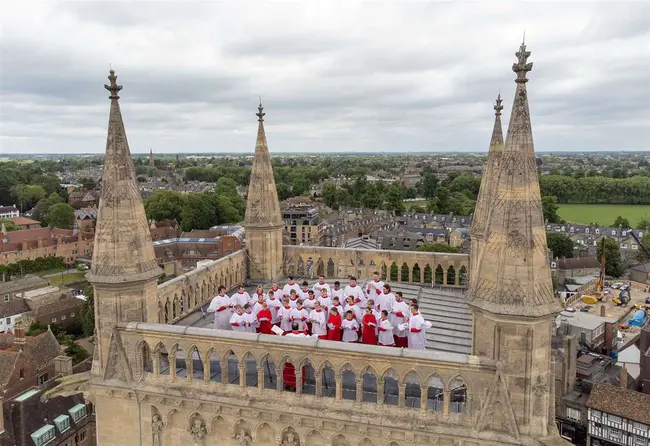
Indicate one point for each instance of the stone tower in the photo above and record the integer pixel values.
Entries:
(263, 220)
(510, 292)
(124, 271)
(487, 187)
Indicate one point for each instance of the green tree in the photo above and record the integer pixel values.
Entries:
(50, 183)
(443, 203)
(550, 208)
(621, 222)
(641, 255)
(165, 205)
(331, 196)
(561, 245)
(9, 225)
(61, 215)
(88, 183)
(27, 195)
(199, 212)
(42, 208)
(428, 185)
(88, 313)
(643, 224)
(613, 264)
(437, 247)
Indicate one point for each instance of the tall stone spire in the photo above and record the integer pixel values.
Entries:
(263, 220)
(486, 192)
(511, 274)
(123, 251)
(262, 206)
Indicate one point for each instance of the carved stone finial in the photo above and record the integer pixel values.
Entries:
(498, 107)
(260, 114)
(113, 87)
(521, 67)
(156, 429)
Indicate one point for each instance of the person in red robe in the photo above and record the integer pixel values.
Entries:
(334, 325)
(264, 318)
(369, 322)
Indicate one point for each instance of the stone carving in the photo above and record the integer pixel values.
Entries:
(198, 432)
(290, 440)
(497, 413)
(243, 439)
(156, 429)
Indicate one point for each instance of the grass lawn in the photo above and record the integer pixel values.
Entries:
(61, 280)
(410, 204)
(50, 271)
(603, 214)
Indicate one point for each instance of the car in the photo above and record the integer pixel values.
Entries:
(616, 285)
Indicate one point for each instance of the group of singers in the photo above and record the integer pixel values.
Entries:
(374, 315)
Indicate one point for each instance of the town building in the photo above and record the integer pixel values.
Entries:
(639, 276)
(195, 246)
(26, 361)
(564, 268)
(9, 211)
(25, 223)
(596, 332)
(587, 236)
(85, 219)
(158, 378)
(11, 312)
(303, 225)
(17, 287)
(31, 244)
(618, 416)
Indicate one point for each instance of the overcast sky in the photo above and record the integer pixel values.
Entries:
(334, 77)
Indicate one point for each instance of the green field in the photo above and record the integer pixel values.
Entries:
(603, 214)
(410, 204)
(66, 278)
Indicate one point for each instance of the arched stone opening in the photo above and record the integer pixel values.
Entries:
(315, 438)
(369, 386)
(270, 376)
(161, 313)
(457, 395)
(428, 274)
(219, 428)
(195, 364)
(451, 275)
(265, 434)
(435, 394)
(214, 363)
(412, 390)
(384, 271)
(348, 383)
(233, 368)
(394, 272)
(340, 440)
(309, 386)
(462, 273)
(301, 267)
(251, 370)
(440, 275)
(163, 359)
(417, 274)
(405, 273)
(330, 268)
(391, 388)
(146, 361)
(329, 381)
(175, 307)
(167, 311)
(320, 267)
(180, 363)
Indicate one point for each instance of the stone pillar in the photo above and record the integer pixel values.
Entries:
(445, 402)
(279, 378)
(457, 278)
(189, 365)
(339, 387)
(380, 390)
(206, 369)
(319, 384)
(423, 398)
(359, 391)
(402, 395)
(298, 381)
(172, 365)
(156, 363)
(242, 374)
(260, 377)
(444, 276)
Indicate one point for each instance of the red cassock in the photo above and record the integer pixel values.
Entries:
(368, 335)
(289, 376)
(335, 333)
(265, 326)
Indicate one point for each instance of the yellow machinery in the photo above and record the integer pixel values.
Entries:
(598, 295)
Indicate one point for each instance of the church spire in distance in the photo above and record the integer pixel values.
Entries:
(122, 250)
(511, 274)
(262, 205)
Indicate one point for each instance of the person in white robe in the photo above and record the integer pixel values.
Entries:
(257, 306)
(399, 317)
(310, 302)
(304, 290)
(385, 300)
(300, 316)
(355, 291)
(274, 304)
(377, 285)
(277, 292)
(385, 329)
(321, 285)
(324, 299)
(337, 291)
(221, 308)
(417, 336)
(350, 328)
(295, 332)
(241, 297)
(284, 314)
(250, 319)
(293, 298)
(356, 311)
(291, 285)
(318, 321)
(237, 320)
(255, 297)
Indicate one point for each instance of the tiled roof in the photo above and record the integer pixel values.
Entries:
(7, 362)
(68, 303)
(24, 283)
(622, 402)
(24, 221)
(14, 307)
(8, 209)
(578, 263)
(39, 352)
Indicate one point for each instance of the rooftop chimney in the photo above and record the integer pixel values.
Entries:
(19, 334)
(63, 365)
(623, 377)
(603, 311)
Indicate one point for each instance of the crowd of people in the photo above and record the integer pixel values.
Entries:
(375, 315)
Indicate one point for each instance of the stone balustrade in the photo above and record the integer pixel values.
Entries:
(182, 295)
(426, 384)
(442, 269)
